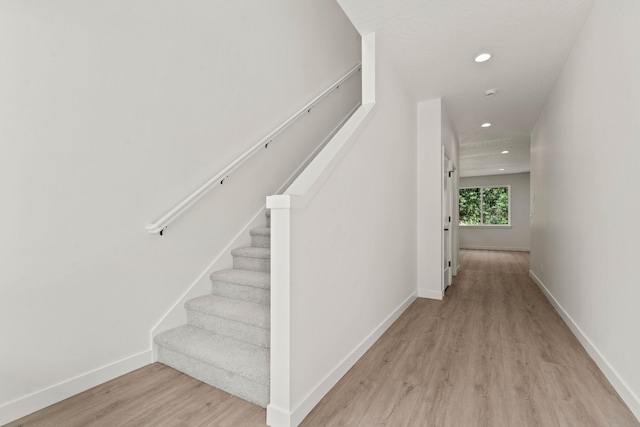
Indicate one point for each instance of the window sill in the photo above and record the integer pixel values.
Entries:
(486, 226)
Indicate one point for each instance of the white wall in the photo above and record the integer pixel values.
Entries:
(584, 172)
(110, 113)
(435, 133)
(514, 238)
(351, 252)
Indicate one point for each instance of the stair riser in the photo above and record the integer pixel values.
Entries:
(216, 377)
(244, 293)
(252, 264)
(260, 241)
(230, 328)
(225, 353)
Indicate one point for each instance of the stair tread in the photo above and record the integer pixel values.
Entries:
(237, 310)
(256, 279)
(251, 252)
(247, 360)
(260, 231)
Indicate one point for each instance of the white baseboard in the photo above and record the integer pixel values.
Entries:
(423, 293)
(494, 248)
(277, 417)
(40, 399)
(623, 389)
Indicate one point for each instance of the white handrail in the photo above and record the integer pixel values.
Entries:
(180, 208)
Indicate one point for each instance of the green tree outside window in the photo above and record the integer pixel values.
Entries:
(484, 206)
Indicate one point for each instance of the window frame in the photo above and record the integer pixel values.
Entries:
(481, 187)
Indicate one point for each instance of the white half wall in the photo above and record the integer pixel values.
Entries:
(347, 252)
(584, 169)
(514, 238)
(111, 113)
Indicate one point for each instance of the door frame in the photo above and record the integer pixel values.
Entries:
(447, 222)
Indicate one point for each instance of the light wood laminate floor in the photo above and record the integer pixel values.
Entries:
(493, 353)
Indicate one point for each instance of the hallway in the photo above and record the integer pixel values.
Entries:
(493, 353)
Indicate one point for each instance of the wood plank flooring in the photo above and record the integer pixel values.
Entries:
(493, 353)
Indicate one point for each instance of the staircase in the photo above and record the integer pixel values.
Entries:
(225, 342)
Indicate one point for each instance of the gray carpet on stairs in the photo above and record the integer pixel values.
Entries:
(253, 259)
(243, 320)
(252, 286)
(261, 237)
(234, 366)
(226, 341)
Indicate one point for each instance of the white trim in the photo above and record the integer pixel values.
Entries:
(369, 68)
(294, 418)
(278, 417)
(462, 226)
(280, 358)
(446, 277)
(191, 199)
(623, 389)
(30, 403)
(458, 269)
(279, 201)
(425, 293)
(495, 248)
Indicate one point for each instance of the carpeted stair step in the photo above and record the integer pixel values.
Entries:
(261, 237)
(234, 366)
(252, 286)
(253, 259)
(225, 343)
(268, 215)
(242, 320)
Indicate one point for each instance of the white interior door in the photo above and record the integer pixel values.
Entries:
(446, 222)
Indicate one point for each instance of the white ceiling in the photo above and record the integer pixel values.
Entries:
(434, 43)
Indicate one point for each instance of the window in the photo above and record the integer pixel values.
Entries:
(481, 206)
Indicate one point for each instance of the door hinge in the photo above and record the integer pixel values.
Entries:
(449, 218)
(449, 263)
(450, 172)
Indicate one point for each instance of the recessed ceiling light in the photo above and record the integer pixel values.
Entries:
(483, 57)
(501, 169)
(485, 125)
(505, 152)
